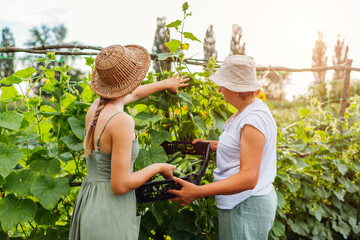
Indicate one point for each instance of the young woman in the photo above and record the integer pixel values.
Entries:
(245, 158)
(106, 206)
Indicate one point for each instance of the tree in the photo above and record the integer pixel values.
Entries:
(273, 83)
(209, 44)
(45, 35)
(6, 59)
(162, 35)
(319, 60)
(340, 57)
(235, 47)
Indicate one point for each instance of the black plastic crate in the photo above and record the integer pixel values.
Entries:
(152, 191)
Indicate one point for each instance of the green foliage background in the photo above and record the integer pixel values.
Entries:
(41, 144)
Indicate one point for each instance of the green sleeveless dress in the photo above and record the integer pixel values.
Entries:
(98, 212)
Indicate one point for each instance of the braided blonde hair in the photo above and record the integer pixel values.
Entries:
(89, 138)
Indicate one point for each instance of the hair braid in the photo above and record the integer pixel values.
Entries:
(89, 138)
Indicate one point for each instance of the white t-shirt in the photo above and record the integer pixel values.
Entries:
(258, 115)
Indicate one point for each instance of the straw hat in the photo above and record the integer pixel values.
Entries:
(119, 70)
(238, 74)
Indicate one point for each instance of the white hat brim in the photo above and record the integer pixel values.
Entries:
(218, 80)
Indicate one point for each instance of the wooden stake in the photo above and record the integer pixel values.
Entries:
(345, 92)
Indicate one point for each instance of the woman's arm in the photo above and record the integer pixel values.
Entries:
(172, 84)
(122, 181)
(213, 143)
(252, 143)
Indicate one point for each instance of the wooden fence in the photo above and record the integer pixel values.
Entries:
(77, 50)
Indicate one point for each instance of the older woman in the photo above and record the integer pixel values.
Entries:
(245, 157)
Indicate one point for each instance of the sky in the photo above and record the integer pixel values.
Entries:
(276, 32)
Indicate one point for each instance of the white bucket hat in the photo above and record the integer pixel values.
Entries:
(238, 74)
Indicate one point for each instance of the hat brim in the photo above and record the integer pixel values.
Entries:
(143, 61)
(218, 80)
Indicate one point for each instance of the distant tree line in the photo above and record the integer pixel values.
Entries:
(273, 82)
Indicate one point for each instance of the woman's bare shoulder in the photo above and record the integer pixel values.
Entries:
(121, 126)
(122, 119)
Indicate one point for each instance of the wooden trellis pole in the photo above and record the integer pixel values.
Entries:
(345, 92)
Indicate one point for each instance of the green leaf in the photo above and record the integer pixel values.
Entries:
(9, 156)
(339, 193)
(185, 7)
(46, 166)
(45, 217)
(45, 128)
(327, 176)
(163, 56)
(89, 61)
(191, 36)
(341, 166)
(144, 118)
(20, 182)
(174, 24)
(281, 200)
(143, 159)
(8, 93)
(185, 97)
(77, 126)
(47, 108)
(14, 211)
(23, 137)
(158, 138)
(299, 227)
(199, 122)
(218, 121)
(48, 88)
(50, 55)
(182, 222)
(157, 155)
(342, 227)
(159, 213)
(73, 142)
(49, 190)
(321, 192)
(67, 100)
(87, 93)
(24, 73)
(50, 73)
(278, 228)
(11, 80)
(292, 185)
(148, 157)
(319, 212)
(308, 192)
(11, 120)
(173, 45)
(66, 157)
(348, 185)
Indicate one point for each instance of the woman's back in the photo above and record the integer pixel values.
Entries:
(99, 213)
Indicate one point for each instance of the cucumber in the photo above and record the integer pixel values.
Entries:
(176, 160)
(189, 168)
(183, 166)
(173, 156)
(178, 173)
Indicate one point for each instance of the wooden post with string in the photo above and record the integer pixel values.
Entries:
(345, 93)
